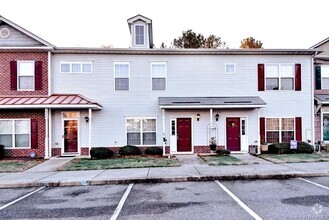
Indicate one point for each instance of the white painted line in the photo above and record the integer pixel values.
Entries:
(21, 198)
(317, 184)
(244, 206)
(121, 203)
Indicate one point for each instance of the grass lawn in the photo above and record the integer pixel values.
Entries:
(222, 160)
(296, 158)
(118, 163)
(17, 165)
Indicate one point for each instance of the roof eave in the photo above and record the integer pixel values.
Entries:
(210, 106)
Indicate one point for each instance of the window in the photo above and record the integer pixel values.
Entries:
(325, 76)
(325, 131)
(159, 73)
(141, 131)
(76, 67)
(280, 130)
(229, 68)
(15, 133)
(121, 74)
(25, 74)
(139, 35)
(279, 76)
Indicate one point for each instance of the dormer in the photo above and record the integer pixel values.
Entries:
(140, 28)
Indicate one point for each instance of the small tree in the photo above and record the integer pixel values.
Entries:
(251, 43)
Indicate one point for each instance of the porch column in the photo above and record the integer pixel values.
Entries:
(90, 121)
(46, 134)
(163, 132)
(211, 113)
(258, 130)
(50, 130)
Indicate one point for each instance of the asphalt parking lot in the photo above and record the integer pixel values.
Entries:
(261, 199)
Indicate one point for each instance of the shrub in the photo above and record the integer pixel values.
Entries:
(129, 150)
(153, 151)
(100, 153)
(284, 148)
(223, 152)
(2, 151)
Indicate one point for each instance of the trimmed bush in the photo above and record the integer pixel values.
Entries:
(129, 150)
(153, 151)
(2, 151)
(284, 148)
(223, 152)
(100, 153)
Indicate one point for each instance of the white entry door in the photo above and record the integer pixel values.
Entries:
(244, 134)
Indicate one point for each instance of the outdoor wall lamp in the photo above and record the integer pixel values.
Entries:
(217, 116)
(87, 119)
(198, 117)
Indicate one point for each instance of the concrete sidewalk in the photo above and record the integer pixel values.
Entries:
(168, 174)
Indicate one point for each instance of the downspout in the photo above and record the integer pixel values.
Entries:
(49, 75)
(312, 98)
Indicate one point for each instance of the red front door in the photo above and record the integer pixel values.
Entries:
(70, 136)
(233, 134)
(184, 135)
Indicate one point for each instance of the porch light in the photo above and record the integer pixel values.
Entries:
(198, 116)
(217, 116)
(87, 119)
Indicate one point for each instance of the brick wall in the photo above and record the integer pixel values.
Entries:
(5, 59)
(32, 114)
(317, 128)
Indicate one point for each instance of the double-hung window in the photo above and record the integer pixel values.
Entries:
(25, 74)
(279, 76)
(139, 35)
(280, 130)
(159, 73)
(229, 68)
(121, 75)
(325, 76)
(76, 67)
(141, 131)
(15, 133)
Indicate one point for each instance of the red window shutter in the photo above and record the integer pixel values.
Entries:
(38, 75)
(298, 77)
(298, 121)
(34, 133)
(262, 130)
(261, 77)
(13, 75)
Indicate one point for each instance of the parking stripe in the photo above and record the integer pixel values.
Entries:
(317, 184)
(244, 206)
(21, 198)
(121, 203)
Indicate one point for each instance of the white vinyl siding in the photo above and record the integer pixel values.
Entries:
(25, 74)
(140, 35)
(76, 67)
(325, 76)
(159, 75)
(121, 75)
(141, 131)
(279, 76)
(280, 130)
(15, 133)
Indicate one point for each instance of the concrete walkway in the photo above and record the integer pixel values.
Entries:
(50, 165)
(191, 160)
(186, 172)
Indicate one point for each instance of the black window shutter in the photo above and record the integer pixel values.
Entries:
(317, 77)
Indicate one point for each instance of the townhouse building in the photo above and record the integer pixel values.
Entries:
(177, 99)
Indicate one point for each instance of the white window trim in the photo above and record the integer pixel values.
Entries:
(158, 63)
(322, 114)
(13, 132)
(280, 129)
(141, 130)
(76, 62)
(18, 74)
(125, 63)
(280, 77)
(135, 43)
(234, 66)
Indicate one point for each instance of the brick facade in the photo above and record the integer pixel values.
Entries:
(6, 57)
(31, 114)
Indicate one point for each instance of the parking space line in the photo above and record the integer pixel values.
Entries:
(121, 203)
(21, 198)
(317, 184)
(244, 206)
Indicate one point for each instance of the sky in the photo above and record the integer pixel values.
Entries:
(286, 24)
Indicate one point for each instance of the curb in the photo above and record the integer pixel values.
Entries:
(160, 180)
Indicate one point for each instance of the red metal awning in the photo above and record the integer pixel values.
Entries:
(55, 101)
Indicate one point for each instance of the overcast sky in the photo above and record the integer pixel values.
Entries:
(93, 23)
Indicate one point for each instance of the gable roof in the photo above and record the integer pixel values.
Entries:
(320, 43)
(147, 21)
(24, 31)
